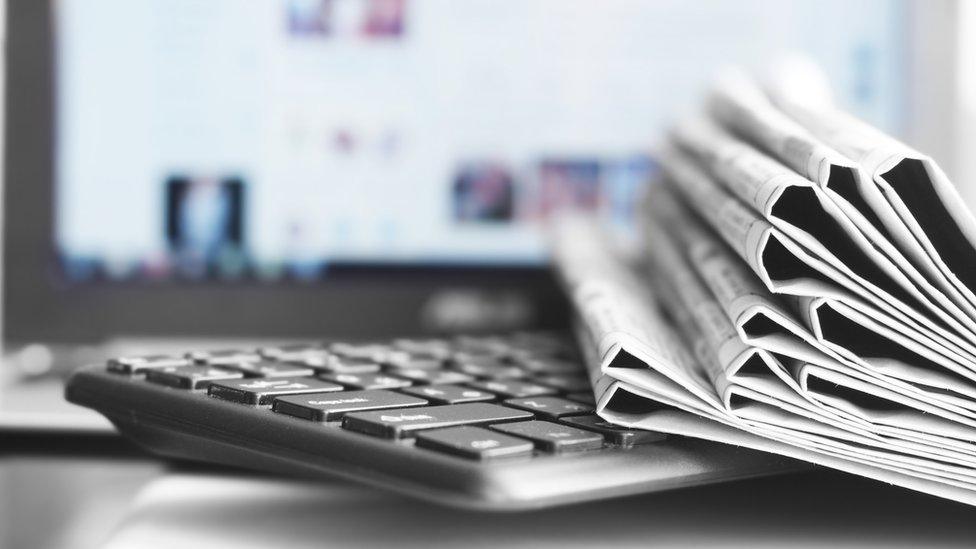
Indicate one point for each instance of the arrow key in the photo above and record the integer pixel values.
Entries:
(550, 407)
(614, 433)
(473, 443)
(552, 437)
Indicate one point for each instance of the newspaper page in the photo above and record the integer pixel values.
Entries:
(620, 314)
(804, 213)
(743, 375)
(917, 360)
(781, 264)
(782, 417)
(733, 365)
(764, 247)
(740, 105)
(851, 334)
(737, 287)
(864, 346)
(760, 318)
(915, 187)
(677, 422)
(780, 304)
(877, 404)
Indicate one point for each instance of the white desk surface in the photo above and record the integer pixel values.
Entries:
(83, 504)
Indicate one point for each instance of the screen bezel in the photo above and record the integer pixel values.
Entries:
(40, 305)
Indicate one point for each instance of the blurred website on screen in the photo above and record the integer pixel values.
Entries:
(264, 139)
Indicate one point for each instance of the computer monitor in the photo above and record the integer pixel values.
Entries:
(298, 167)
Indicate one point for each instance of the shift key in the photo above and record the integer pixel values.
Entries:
(404, 423)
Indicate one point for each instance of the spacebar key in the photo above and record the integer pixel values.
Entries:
(403, 423)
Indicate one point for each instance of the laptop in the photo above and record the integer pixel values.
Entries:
(188, 176)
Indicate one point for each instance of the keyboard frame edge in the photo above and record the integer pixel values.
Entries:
(178, 423)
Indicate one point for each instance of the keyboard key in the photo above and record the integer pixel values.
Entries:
(438, 348)
(539, 339)
(473, 443)
(481, 345)
(413, 361)
(473, 356)
(262, 391)
(512, 388)
(614, 433)
(191, 377)
(552, 437)
(544, 366)
(433, 377)
(139, 364)
(517, 355)
(404, 423)
(544, 346)
(584, 397)
(372, 352)
(223, 358)
(488, 367)
(367, 381)
(340, 365)
(550, 407)
(297, 351)
(450, 394)
(266, 368)
(332, 406)
(566, 383)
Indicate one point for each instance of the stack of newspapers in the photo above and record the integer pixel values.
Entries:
(807, 287)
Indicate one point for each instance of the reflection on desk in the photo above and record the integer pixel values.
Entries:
(815, 509)
(66, 502)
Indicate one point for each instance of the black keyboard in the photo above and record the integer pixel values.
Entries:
(503, 422)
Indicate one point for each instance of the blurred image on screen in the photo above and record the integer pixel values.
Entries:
(277, 137)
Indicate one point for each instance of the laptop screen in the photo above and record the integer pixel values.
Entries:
(279, 139)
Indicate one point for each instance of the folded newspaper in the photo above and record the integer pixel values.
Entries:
(808, 287)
